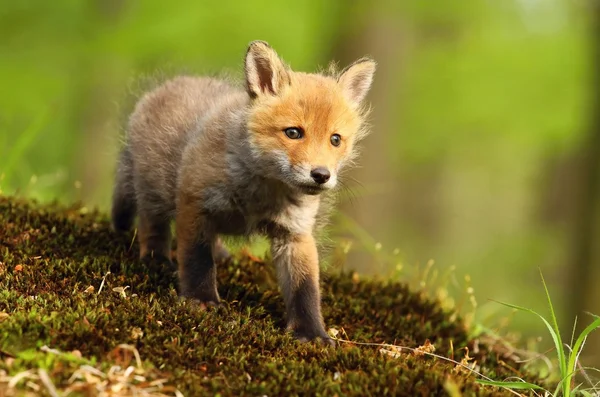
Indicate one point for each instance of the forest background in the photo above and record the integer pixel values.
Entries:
(485, 151)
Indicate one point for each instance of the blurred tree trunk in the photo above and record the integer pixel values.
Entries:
(585, 253)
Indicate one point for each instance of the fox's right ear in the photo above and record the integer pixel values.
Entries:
(356, 80)
(266, 74)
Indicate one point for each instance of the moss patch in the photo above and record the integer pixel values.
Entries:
(53, 261)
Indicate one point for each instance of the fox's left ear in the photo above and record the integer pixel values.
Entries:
(266, 74)
(356, 80)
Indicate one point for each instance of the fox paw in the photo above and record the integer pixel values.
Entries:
(202, 299)
(204, 305)
(326, 340)
(317, 335)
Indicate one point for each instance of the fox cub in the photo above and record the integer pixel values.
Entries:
(222, 160)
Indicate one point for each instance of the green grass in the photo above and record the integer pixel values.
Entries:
(79, 314)
(567, 355)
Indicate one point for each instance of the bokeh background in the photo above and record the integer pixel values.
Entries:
(485, 151)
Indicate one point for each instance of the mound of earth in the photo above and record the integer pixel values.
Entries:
(79, 313)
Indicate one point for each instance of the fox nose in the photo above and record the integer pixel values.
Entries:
(320, 175)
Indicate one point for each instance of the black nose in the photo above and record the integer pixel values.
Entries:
(320, 175)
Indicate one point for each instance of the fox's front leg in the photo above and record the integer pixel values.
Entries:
(297, 263)
(197, 268)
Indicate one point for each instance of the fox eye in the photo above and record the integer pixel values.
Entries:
(294, 132)
(336, 140)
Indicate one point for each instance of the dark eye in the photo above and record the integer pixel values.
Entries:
(294, 132)
(336, 140)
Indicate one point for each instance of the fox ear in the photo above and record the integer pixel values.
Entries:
(266, 74)
(356, 80)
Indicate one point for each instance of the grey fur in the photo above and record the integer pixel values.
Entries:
(124, 206)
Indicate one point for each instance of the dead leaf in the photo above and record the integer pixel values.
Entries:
(136, 333)
(465, 362)
(121, 290)
(428, 347)
(333, 332)
(391, 353)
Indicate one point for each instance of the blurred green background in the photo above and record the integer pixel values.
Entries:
(485, 148)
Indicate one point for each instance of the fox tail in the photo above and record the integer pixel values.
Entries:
(124, 206)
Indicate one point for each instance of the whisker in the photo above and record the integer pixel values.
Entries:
(351, 195)
(356, 181)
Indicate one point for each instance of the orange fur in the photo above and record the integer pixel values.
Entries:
(314, 103)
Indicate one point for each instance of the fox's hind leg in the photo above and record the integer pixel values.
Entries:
(154, 231)
(154, 234)
(124, 205)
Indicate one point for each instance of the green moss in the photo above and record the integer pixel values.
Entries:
(50, 256)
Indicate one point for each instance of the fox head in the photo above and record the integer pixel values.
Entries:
(303, 127)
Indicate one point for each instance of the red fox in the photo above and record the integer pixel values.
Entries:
(223, 160)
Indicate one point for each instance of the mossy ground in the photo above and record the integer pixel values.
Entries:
(54, 260)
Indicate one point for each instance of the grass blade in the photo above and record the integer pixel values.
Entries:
(573, 332)
(565, 383)
(577, 348)
(513, 385)
(561, 350)
(555, 335)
